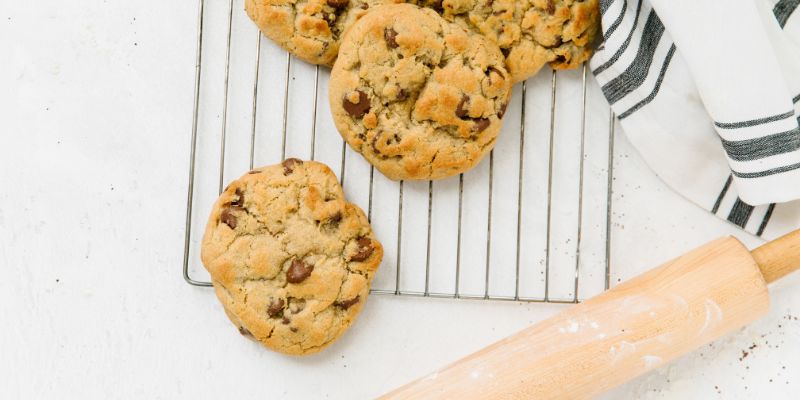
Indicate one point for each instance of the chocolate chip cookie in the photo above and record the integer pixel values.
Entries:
(532, 33)
(291, 260)
(309, 29)
(417, 96)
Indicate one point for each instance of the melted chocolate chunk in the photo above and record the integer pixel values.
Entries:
(551, 7)
(244, 332)
(502, 110)
(298, 271)
(496, 71)
(228, 218)
(335, 219)
(462, 111)
(345, 304)
(357, 110)
(364, 250)
(329, 18)
(275, 308)
(391, 38)
(338, 3)
(288, 165)
(480, 125)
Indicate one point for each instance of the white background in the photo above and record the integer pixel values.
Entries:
(95, 120)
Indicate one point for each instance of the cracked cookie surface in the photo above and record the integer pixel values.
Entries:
(417, 96)
(532, 33)
(309, 29)
(290, 259)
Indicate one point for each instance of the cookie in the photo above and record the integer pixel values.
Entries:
(309, 29)
(532, 33)
(417, 96)
(290, 259)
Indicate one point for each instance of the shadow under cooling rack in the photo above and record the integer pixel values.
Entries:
(529, 223)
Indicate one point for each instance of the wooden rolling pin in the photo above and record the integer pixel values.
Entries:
(624, 332)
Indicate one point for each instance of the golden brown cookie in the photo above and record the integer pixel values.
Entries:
(291, 260)
(417, 96)
(309, 29)
(532, 33)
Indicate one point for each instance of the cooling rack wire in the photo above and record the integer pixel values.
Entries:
(531, 223)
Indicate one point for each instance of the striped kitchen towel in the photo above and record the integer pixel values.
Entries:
(709, 93)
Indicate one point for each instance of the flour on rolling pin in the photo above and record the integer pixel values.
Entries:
(625, 332)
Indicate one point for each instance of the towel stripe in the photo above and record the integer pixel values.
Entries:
(765, 220)
(722, 194)
(740, 213)
(784, 9)
(605, 5)
(761, 174)
(754, 122)
(796, 99)
(636, 73)
(625, 44)
(762, 147)
(652, 94)
(616, 23)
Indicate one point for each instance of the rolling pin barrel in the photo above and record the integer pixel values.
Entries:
(616, 336)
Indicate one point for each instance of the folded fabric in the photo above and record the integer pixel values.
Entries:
(709, 94)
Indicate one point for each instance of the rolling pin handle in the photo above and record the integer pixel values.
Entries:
(779, 257)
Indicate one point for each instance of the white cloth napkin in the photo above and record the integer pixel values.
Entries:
(709, 93)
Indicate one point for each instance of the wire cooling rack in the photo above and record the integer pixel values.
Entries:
(530, 223)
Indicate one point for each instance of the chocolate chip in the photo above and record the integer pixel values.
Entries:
(357, 110)
(391, 38)
(560, 59)
(346, 303)
(496, 71)
(502, 110)
(338, 3)
(461, 110)
(401, 95)
(551, 7)
(329, 18)
(285, 321)
(288, 165)
(275, 308)
(293, 329)
(298, 271)
(480, 125)
(244, 332)
(335, 219)
(364, 6)
(365, 249)
(253, 172)
(228, 218)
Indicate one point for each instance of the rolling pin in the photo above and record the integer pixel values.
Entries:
(631, 329)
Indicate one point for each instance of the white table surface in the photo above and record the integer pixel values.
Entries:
(95, 116)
